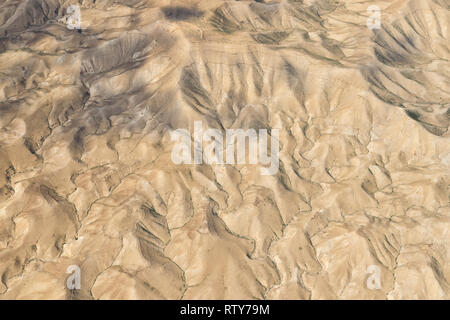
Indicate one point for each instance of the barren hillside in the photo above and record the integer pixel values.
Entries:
(87, 178)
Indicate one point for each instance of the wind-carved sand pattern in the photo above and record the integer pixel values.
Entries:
(360, 205)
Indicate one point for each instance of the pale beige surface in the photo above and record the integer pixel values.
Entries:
(87, 178)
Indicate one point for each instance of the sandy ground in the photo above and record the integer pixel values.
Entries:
(87, 179)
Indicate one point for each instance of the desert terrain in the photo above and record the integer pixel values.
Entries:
(358, 209)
